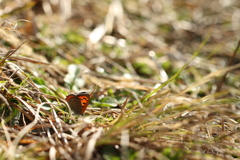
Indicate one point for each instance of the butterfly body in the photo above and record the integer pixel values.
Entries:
(78, 102)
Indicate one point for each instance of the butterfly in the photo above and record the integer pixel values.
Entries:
(79, 102)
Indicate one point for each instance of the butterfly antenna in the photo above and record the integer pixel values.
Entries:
(93, 91)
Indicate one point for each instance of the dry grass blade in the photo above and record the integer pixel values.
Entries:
(13, 147)
(210, 76)
(223, 79)
(9, 54)
(5, 101)
(108, 83)
(26, 59)
(91, 143)
(121, 115)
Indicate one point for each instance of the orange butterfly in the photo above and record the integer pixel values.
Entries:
(79, 102)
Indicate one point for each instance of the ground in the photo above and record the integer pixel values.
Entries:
(161, 79)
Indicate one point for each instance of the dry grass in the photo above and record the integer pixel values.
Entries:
(166, 73)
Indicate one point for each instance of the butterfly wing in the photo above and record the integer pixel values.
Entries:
(84, 101)
(78, 102)
(74, 104)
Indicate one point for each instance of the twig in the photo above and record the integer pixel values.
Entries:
(220, 84)
(9, 54)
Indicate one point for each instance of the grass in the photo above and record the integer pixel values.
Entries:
(166, 82)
